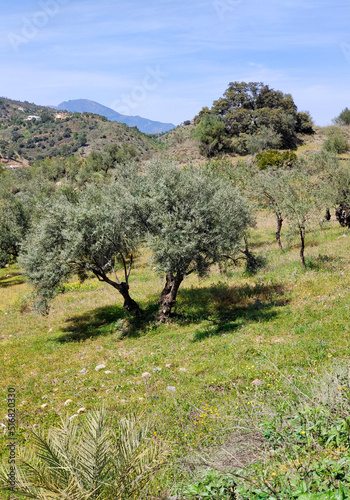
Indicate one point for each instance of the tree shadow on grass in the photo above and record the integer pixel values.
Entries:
(11, 280)
(229, 307)
(226, 307)
(105, 321)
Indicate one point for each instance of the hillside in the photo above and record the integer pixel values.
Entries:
(143, 124)
(24, 141)
(240, 346)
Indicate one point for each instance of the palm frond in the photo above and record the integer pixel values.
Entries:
(91, 461)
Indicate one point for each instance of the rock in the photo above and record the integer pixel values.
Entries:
(146, 375)
(108, 372)
(45, 405)
(100, 367)
(171, 388)
(157, 369)
(68, 402)
(83, 370)
(168, 365)
(81, 410)
(257, 382)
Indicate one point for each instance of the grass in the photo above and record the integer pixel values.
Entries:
(228, 332)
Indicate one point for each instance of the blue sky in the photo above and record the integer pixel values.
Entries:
(165, 60)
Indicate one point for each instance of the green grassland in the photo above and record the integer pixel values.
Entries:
(237, 344)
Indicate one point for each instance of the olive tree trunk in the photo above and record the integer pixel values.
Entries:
(168, 296)
(279, 228)
(129, 304)
(302, 248)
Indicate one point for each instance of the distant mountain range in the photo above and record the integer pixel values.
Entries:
(143, 124)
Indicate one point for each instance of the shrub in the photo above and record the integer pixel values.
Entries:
(336, 143)
(275, 159)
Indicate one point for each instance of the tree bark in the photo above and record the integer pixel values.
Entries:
(123, 288)
(129, 304)
(278, 232)
(302, 248)
(168, 296)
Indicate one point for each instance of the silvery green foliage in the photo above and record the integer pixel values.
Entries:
(88, 460)
(195, 217)
(77, 235)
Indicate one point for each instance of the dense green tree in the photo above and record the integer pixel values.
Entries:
(212, 135)
(254, 109)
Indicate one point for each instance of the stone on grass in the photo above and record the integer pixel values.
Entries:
(157, 369)
(257, 382)
(108, 372)
(171, 388)
(45, 405)
(146, 375)
(68, 402)
(168, 365)
(100, 367)
(81, 410)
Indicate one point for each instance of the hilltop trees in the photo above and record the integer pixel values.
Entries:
(253, 110)
(343, 118)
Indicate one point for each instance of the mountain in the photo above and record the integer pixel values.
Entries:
(29, 133)
(143, 124)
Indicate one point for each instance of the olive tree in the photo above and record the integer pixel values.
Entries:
(194, 220)
(267, 190)
(302, 202)
(91, 232)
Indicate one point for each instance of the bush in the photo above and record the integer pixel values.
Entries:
(275, 159)
(336, 143)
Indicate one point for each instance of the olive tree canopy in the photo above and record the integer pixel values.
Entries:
(81, 234)
(195, 219)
